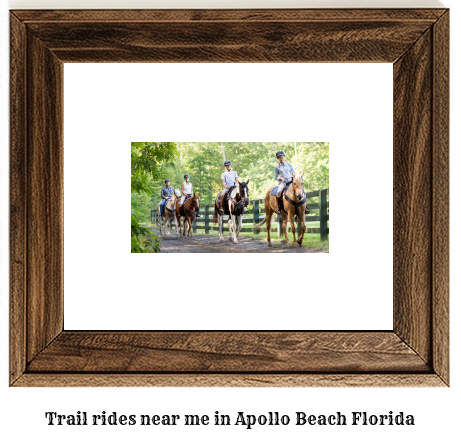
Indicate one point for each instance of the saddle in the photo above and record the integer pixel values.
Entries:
(287, 185)
(226, 196)
(184, 202)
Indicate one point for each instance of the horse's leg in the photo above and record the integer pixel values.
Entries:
(302, 219)
(229, 223)
(240, 224)
(284, 227)
(233, 234)
(176, 223)
(167, 219)
(188, 226)
(191, 233)
(234, 228)
(293, 227)
(220, 220)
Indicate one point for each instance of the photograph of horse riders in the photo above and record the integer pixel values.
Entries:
(269, 197)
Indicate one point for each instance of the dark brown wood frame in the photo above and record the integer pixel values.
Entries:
(414, 353)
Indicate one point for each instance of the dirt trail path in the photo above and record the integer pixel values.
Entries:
(211, 244)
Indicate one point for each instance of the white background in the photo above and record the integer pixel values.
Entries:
(435, 410)
(108, 105)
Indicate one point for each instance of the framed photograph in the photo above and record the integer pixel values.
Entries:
(204, 194)
(415, 352)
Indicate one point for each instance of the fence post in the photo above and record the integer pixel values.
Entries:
(255, 216)
(323, 215)
(207, 219)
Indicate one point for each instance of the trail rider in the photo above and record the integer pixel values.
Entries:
(283, 175)
(166, 194)
(187, 191)
(229, 178)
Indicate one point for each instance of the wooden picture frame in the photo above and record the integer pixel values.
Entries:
(414, 353)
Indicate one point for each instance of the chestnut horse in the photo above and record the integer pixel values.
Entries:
(235, 205)
(188, 211)
(169, 212)
(294, 204)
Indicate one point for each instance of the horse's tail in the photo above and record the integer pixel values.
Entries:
(260, 224)
(215, 214)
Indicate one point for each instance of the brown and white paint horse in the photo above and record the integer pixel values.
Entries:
(234, 207)
(295, 194)
(169, 213)
(189, 213)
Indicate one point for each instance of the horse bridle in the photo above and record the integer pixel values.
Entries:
(191, 212)
(242, 198)
(289, 190)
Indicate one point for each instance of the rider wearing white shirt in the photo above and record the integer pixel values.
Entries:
(187, 190)
(229, 178)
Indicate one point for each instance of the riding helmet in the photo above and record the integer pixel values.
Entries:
(228, 162)
(280, 153)
(186, 175)
(167, 180)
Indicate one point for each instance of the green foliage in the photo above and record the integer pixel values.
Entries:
(251, 160)
(143, 240)
(148, 160)
(147, 157)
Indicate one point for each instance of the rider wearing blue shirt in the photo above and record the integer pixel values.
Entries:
(167, 193)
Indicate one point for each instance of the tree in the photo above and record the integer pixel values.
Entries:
(148, 160)
(251, 160)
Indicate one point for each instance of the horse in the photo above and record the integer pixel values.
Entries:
(188, 210)
(294, 203)
(237, 199)
(169, 212)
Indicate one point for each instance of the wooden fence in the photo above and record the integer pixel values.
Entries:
(256, 213)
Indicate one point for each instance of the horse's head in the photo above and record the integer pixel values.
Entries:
(196, 202)
(298, 186)
(177, 193)
(244, 192)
